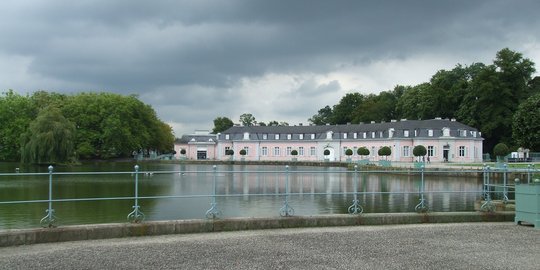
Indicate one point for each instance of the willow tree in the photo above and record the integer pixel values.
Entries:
(49, 138)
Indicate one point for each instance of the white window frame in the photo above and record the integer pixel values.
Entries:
(265, 136)
(462, 151)
(288, 150)
(247, 150)
(344, 135)
(406, 151)
(430, 132)
(276, 151)
(313, 151)
(406, 133)
(276, 137)
(301, 136)
(431, 150)
(289, 136)
(264, 151)
(301, 150)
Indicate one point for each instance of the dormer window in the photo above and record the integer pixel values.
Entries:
(446, 132)
(344, 135)
(246, 135)
(355, 135)
(463, 133)
(265, 136)
(289, 136)
(301, 136)
(313, 136)
(405, 133)
(277, 137)
(373, 134)
(227, 136)
(329, 135)
(430, 132)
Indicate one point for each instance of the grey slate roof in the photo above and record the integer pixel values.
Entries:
(197, 138)
(421, 126)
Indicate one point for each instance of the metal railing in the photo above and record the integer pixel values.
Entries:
(286, 210)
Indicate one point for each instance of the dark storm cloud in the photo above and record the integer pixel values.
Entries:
(196, 54)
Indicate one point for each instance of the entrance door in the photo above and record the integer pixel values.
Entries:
(201, 154)
(446, 152)
(331, 155)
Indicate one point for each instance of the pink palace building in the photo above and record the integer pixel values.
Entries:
(445, 140)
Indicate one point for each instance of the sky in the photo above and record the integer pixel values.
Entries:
(281, 60)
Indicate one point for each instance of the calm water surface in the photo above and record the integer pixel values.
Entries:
(254, 191)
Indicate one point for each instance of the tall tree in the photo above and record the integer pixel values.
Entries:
(221, 124)
(247, 119)
(16, 112)
(49, 139)
(341, 113)
(526, 124)
(323, 116)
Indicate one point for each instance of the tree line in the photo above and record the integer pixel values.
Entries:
(501, 100)
(48, 127)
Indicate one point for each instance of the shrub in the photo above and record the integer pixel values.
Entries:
(501, 150)
(326, 152)
(419, 151)
(183, 151)
(229, 152)
(243, 152)
(363, 151)
(294, 152)
(385, 151)
(348, 152)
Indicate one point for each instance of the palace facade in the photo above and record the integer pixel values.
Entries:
(445, 140)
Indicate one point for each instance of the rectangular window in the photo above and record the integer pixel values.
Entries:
(430, 151)
(373, 134)
(288, 150)
(462, 151)
(276, 151)
(246, 136)
(301, 136)
(430, 132)
(226, 148)
(312, 151)
(380, 134)
(301, 150)
(405, 133)
(289, 136)
(247, 150)
(463, 133)
(364, 135)
(264, 151)
(344, 149)
(227, 136)
(265, 136)
(373, 153)
(355, 135)
(277, 137)
(313, 136)
(344, 135)
(355, 150)
(406, 151)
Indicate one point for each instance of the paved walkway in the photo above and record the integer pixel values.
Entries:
(425, 246)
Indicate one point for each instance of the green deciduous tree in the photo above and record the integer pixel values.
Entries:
(363, 151)
(526, 124)
(247, 119)
(384, 151)
(501, 150)
(50, 138)
(16, 113)
(323, 116)
(419, 151)
(221, 124)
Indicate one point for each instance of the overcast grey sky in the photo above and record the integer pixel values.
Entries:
(279, 60)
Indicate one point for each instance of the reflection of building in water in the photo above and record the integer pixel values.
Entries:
(391, 193)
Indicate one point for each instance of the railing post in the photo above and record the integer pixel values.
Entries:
(286, 210)
(355, 208)
(50, 218)
(529, 172)
(488, 204)
(213, 212)
(136, 215)
(422, 206)
(505, 183)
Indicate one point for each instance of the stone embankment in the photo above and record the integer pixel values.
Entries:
(152, 228)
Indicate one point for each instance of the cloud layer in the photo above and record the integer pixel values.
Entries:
(279, 60)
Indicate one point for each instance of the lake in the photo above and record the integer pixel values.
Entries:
(242, 191)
